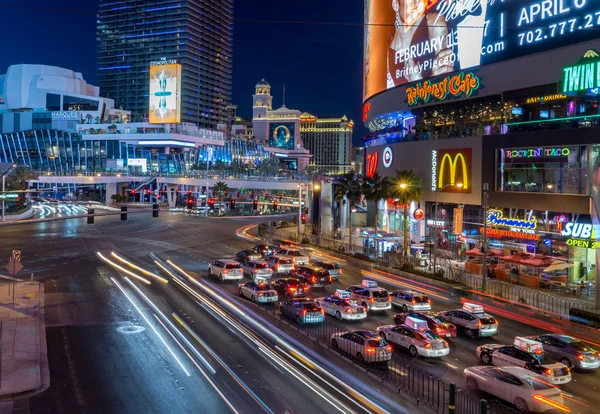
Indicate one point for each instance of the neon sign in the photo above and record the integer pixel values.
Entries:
(454, 86)
(583, 76)
(537, 152)
(372, 160)
(546, 98)
(495, 218)
(454, 170)
(578, 230)
(433, 170)
(365, 112)
(388, 157)
(512, 234)
(587, 244)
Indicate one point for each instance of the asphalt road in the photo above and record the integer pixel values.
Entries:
(117, 345)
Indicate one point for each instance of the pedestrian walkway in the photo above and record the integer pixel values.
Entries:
(24, 362)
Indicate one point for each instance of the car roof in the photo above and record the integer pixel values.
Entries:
(519, 371)
(228, 261)
(261, 261)
(366, 334)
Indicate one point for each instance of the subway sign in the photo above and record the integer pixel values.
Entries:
(578, 230)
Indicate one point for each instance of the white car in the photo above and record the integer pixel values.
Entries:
(225, 270)
(297, 257)
(410, 301)
(280, 264)
(528, 391)
(257, 269)
(515, 356)
(419, 342)
(370, 296)
(364, 346)
(258, 292)
(472, 320)
(341, 308)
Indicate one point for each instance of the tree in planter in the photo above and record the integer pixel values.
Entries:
(374, 189)
(348, 192)
(220, 189)
(407, 187)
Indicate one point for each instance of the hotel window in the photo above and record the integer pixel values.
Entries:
(556, 169)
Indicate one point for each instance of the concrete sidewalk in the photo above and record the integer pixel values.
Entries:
(24, 369)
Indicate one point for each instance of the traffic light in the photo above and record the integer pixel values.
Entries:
(19, 203)
(303, 219)
(225, 193)
(190, 202)
(274, 205)
(211, 203)
(255, 205)
(190, 192)
(148, 191)
(232, 204)
(90, 219)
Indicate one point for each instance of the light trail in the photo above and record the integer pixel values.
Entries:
(242, 233)
(318, 253)
(403, 284)
(147, 273)
(222, 363)
(411, 281)
(151, 326)
(284, 344)
(122, 269)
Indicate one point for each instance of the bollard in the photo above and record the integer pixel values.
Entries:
(452, 399)
(483, 407)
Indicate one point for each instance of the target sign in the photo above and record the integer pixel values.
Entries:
(388, 157)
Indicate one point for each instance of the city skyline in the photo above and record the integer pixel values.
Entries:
(333, 91)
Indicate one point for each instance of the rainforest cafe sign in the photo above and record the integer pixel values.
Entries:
(452, 86)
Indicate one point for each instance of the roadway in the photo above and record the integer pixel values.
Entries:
(118, 345)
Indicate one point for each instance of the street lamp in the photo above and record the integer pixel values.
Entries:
(315, 186)
(435, 234)
(4, 175)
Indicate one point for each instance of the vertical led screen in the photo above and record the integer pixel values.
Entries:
(165, 94)
(412, 40)
(281, 135)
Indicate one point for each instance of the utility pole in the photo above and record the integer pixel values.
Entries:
(299, 212)
(486, 189)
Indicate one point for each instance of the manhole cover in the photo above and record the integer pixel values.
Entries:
(131, 329)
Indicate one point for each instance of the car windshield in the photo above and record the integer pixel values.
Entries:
(421, 299)
(438, 319)
(429, 335)
(285, 261)
(310, 306)
(537, 384)
(233, 266)
(264, 287)
(261, 265)
(378, 343)
(294, 253)
(293, 283)
(582, 347)
(488, 321)
(380, 294)
(330, 266)
(322, 273)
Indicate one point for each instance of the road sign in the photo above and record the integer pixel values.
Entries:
(16, 255)
(14, 267)
(9, 196)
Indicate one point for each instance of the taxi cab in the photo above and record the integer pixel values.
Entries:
(473, 320)
(415, 336)
(342, 306)
(409, 300)
(371, 296)
(528, 354)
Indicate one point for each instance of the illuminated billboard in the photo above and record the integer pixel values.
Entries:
(165, 94)
(451, 170)
(412, 40)
(281, 135)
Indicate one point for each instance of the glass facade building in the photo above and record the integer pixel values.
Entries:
(62, 152)
(198, 34)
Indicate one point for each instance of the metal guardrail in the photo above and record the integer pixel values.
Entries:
(425, 388)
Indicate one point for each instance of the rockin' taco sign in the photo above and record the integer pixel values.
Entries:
(452, 86)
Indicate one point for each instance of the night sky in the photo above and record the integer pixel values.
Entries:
(320, 64)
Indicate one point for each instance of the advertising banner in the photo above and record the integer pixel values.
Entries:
(457, 225)
(281, 135)
(165, 94)
(412, 40)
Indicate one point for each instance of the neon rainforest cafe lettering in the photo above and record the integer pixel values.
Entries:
(455, 86)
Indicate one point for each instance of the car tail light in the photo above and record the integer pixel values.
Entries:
(322, 311)
(438, 330)
(292, 289)
(260, 293)
(580, 356)
(479, 324)
(428, 300)
(340, 271)
(370, 350)
(414, 302)
(304, 312)
(313, 279)
(548, 372)
(446, 344)
(348, 310)
(389, 348)
(255, 270)
(371, 300)
(389, 298)
(329, 278)
(427, 346)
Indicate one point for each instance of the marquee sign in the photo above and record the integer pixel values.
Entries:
(453, 86)
(583, 78)
(536, 152)
(496, 218)
(372, 160)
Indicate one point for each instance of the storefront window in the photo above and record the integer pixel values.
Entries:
(561, 170)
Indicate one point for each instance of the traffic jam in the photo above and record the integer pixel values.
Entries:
(529, 372)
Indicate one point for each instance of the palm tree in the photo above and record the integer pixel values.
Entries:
(20, 177)
(348, 192)
(407, 187)
(220, 189)
(374, 189)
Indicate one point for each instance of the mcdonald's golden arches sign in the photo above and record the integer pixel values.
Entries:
(454, 167)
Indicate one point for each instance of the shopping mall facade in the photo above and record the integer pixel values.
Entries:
(520, 129)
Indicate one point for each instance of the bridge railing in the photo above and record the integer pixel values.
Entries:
(203, 175)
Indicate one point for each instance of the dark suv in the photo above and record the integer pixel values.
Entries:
(244, 256)
(291, 288)
(313, 275)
